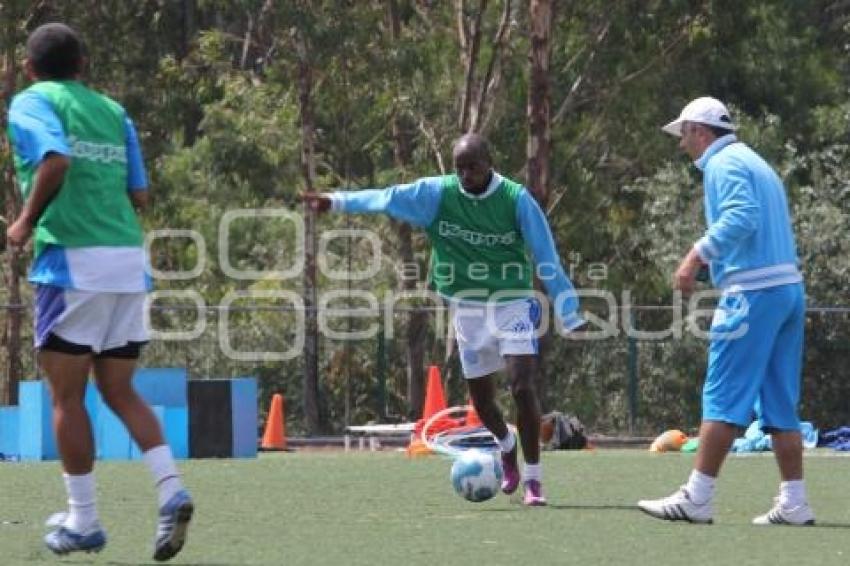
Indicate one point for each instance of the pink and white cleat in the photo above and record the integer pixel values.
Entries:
(533, 494)
(510, 469)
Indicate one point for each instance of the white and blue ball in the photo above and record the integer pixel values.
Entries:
(477, 475)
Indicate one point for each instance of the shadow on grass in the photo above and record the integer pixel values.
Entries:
(518, 505)
(819, 524)
(610, 507)
(827, 525)
(614, 507)
(114, 563)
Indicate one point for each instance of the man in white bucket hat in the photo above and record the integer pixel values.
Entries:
(755, 355)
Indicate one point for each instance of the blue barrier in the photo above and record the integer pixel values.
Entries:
(112, 441)
(27, 430)
(243, 394)
(175, 427)
(9, 440)
(93, 402)
(35, 430)
(161, 386)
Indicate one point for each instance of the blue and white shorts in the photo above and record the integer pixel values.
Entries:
(755, 358)
(97, 320)
(488, 331)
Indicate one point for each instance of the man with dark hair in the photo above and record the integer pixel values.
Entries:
(481, 226)
(80, 170)
(55, 52)
(756, 350)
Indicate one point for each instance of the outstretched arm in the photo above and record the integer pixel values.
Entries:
(538, 238)
(416, 203)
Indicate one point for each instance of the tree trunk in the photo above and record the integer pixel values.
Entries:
(417, 322)
(417, 331)
(539, 122)
(258, 42)
(194, 113)
(469, 39)
(537, 151)
(308, 170)
(481, 110)
(189, 13)
(12, 370)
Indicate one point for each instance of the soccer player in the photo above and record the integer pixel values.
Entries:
(81, 174)
(756, 349)
(481, 226)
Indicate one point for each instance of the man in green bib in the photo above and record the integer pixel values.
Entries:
(81, 175)
(487, 236)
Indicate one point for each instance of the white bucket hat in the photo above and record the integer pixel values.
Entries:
(704, 110)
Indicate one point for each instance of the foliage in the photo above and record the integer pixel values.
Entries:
(212, 86)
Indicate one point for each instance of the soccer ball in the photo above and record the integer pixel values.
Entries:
(477, 475)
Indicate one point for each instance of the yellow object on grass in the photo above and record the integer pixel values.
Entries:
(669, 441)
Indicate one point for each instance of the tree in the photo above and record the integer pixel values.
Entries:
(308, 170)
(12, 371)
(477, 94)
(417, 321)
(220, 89)
(537, 149)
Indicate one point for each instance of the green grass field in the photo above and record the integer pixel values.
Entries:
(316, 508)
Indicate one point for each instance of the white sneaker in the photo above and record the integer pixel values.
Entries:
(800, 515)
(678, 507)
(56, 520)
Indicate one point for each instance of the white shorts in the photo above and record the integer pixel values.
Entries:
(485, 333)
(101, 321)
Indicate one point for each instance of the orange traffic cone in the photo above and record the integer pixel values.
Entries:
(274, 437)
(418, 448)
(435, 400)
(472, 418)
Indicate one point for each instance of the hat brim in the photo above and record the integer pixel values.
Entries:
(674, 128)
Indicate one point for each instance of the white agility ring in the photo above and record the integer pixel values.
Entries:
(455, 440)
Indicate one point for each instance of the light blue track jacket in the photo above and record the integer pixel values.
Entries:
(418, 203)
(749, 243)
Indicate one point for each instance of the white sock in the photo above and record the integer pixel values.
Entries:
(164, 471)
(792, 493)
(82, 510)
(532, 472)
(508, 442)
(700, 487)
